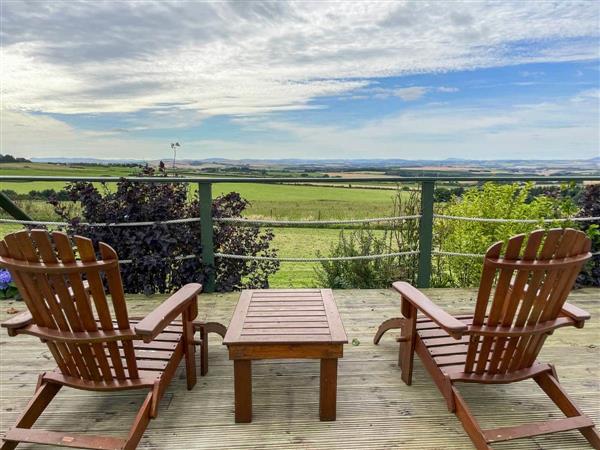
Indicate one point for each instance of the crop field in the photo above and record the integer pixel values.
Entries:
(277, 201)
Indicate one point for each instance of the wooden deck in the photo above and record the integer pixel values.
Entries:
(375, 409)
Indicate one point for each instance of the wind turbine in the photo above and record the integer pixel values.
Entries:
(174, 148)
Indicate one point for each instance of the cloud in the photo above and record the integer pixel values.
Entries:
(447, 89)
(565, 129)
(410, 93)
(244, 58)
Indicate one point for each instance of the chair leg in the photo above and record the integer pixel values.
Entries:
(204, 328)
(142, 419)
(390, 324)
(203, 351)
(406, 354)
(469, 422)
(34, 409)
(557, 394)
(188, 351)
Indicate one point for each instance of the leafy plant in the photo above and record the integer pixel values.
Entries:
(496, 201)
(153, 250)
(8, 289)
(399, 236)
(590, 207)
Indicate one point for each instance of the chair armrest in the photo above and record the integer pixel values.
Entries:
(575, 313)
(453, 326)
(16, 322)
(153, 324)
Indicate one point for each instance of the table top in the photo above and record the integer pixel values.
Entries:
(286, 316)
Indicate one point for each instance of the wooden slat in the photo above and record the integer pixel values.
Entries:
(115, 287)
(287, 314)
(536, 429)
(483, 296)
(64, 439)
(94, 355)
(501, 290)
(234, 330)
(336, 328)
(516, 346)
(297, 324)
(285, 331)
(261, 319)
(87, 254)
(262, 309)
(513, 298)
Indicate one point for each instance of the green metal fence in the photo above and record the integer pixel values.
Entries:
(205, 197)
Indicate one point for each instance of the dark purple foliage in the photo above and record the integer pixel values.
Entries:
(152, 248)
(590, 207)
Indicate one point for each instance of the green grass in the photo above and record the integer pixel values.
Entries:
(291, 202)
(300, 243)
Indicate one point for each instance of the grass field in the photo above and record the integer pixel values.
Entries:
(278, 201)
(267, 200)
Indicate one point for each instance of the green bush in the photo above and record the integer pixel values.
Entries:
(502, 201)
(399, 236)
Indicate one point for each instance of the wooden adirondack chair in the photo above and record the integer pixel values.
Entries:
(95, 344)
(521, 301)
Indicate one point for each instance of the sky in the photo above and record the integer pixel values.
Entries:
(410, 80)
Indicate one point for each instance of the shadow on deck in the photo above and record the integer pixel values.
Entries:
(375, 409)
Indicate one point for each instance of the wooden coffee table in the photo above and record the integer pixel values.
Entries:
(285, 323)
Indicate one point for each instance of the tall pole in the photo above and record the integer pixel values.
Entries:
(206, 236)
(425, 234)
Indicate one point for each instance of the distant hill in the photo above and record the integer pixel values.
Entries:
(349, 164)
(87, 161)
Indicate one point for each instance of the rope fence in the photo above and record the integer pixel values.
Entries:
(335, 258)
(103, 224)
(492, 220)
(241, 220)
(244, 221)
(313, 222)
(318, 259)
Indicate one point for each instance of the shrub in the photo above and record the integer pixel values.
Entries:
(152, 249)
(398, 236)
(507, 201)
(590, 207)
(8, 288)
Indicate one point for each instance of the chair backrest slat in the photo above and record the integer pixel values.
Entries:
(58, 299)
(35, 303)
(501, 292)
(115, 285)
(524, 294)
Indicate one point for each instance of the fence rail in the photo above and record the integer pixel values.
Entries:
(425, 249)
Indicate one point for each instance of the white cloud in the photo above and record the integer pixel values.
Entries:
(410, 93)
(447, 89)
(253, 57)
(565, 129)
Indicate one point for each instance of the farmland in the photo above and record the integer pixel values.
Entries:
(278, 201)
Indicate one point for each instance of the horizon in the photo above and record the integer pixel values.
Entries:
(168, 159)
(478, 81)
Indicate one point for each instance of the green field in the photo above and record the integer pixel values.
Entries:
(278, 201)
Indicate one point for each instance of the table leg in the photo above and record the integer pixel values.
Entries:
(328, 393)
(242, 374)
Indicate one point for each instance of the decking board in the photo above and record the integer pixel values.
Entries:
(375, 409)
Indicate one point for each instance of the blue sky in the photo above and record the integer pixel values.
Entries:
(297, 79)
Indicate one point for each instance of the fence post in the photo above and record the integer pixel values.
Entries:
(425, 234)
(7, 204)
(206, 230)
